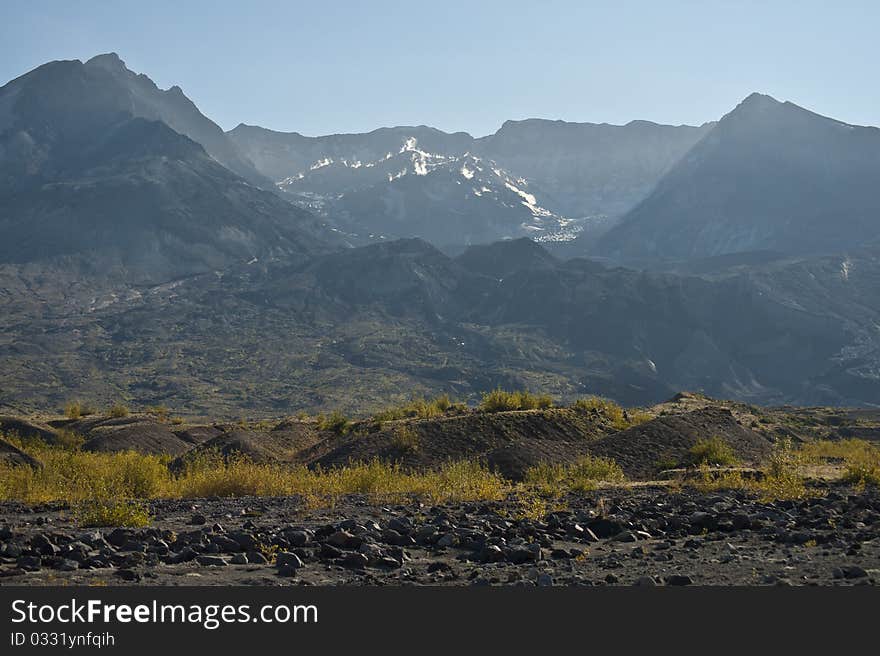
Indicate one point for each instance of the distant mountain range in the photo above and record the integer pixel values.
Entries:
(548, 180)
(149, 256)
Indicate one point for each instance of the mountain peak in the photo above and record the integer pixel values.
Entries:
(756, 103)
(109, 61)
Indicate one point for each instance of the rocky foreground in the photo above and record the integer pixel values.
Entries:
(646, 536)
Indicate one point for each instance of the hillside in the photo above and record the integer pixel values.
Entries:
(85, 176)
(770, 176)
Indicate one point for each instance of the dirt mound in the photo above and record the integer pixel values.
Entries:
(11, 455)
(508, 442)
(641, 450)
(284, 444)
(26, 429)
(141, 434)
(197, 434)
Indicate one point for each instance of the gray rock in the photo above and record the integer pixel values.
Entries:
(447, 540)
(298, 538)
(257, 558)
(288, 559)
(29, 563)
(211, 561)
(344, 540)
(354, 560)
(67, 565)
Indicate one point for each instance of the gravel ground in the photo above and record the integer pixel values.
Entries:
(645, 536)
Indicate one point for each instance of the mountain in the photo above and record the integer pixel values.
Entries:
(370, 326)
(141, 97)
(549, 180)
(589, 169)
(83, 174)
(281, 155)
(771, 176)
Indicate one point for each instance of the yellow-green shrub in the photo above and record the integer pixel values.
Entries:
(499, 400)
(611, 410)
(711, 451)
(581, 475)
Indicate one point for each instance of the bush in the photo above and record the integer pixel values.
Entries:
(73, 475)
(712, 451)
(609, 409)
(160, 412)
(117, 411)
(405, 439)
(781, 478)
(582, 475)
(418, 407)
(862, 473)
(499, 400)
(335, 421)
(131, 514)
(75, 410)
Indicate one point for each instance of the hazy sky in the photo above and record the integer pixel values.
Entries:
(329, 66)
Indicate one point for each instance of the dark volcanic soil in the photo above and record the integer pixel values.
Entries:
(645, 535)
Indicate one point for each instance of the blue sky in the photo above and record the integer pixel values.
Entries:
(333, 66)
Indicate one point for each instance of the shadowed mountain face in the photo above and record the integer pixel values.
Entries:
(100, 169)
(588, 169)
(373, 325)
(84, 174)
(770, 176)
(548, 180)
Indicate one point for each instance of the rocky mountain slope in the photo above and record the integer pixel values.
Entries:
(373, 325)
(771, 176)
(545, 179)
(87, 172)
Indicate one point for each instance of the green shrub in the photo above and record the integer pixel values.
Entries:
(712, 451)
(862, 474)
(76, 409)
(417, 408)
(160, 412)
(555, 480)
(117, 411)
(131, 514)
(405, 439)
(335, 422)
(499, 400)
(606, 407)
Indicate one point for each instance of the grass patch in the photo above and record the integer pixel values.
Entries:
(118, 411)
(613, 412)
(131, 514)
(100, 484)
(781, 478)
(160, 412)
(76, 409)
(713, 451)
(456, 481)
(499, 400)
(335, 422)
(420, 408)
(862, 474)
(555, 480)
(73, 475)
(405, 439)
(860, 459)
